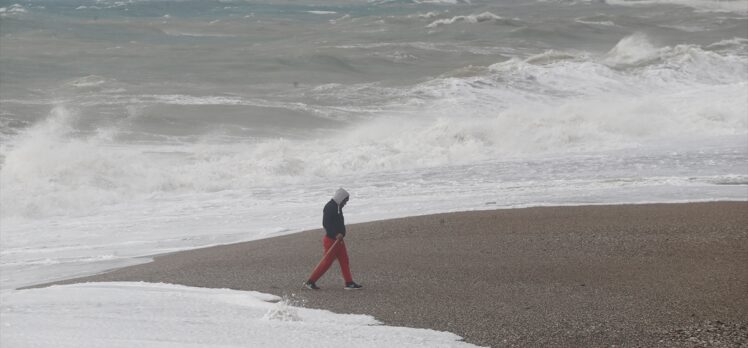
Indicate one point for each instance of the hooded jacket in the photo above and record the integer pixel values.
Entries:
(332, 215)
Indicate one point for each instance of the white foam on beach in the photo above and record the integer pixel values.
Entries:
(163, 315)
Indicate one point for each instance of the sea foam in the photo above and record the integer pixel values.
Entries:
(553, 103)
(478, 18)
(737, 6)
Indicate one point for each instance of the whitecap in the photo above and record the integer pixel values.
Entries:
(736, 6)
(479, 18)
(15, 9)
(322, 12)
(632, 50)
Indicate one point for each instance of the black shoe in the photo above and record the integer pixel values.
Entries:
(310, 285)
(352, 286)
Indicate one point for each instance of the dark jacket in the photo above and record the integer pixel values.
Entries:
(332, 220)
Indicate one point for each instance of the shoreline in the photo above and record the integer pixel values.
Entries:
(594, 275)
(149, 258)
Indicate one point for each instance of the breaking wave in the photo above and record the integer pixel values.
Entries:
(737, 6)
(477, 18)
(556, 102)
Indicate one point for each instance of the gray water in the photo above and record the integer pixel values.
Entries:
(160, 68)
(146, 97)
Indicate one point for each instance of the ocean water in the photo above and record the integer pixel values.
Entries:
(131, 128)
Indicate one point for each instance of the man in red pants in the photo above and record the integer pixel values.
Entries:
(334, 224)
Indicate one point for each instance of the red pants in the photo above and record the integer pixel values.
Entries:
(340, 253)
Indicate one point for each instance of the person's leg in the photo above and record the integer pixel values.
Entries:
(327, 262)
(345, 269)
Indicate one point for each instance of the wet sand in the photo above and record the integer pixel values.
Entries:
(657, 275)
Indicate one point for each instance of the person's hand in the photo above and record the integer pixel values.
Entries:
(339, 236)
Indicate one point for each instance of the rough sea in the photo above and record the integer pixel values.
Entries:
(132, 128)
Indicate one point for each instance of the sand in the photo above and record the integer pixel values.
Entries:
(665, 275)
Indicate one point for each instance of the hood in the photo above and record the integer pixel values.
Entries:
(340, 195)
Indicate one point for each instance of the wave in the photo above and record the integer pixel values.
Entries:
(478, 18)
(171, 32)
(736, 6)
(633, 50)
(552, 103)
(551, 56)
(419, 2)
(427, 15)
(736, 46)
(442, 2)
(13, 11)
(596, 20)
(87, 81)
(322, 12)
(738, 180)
(713, 63)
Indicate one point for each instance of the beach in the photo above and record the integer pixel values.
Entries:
(521, 173)
(666, 275)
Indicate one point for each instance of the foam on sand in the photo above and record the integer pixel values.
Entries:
(125, 314)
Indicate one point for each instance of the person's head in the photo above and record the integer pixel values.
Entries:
(341, 197)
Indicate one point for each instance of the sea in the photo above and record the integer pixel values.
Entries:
(141, 127)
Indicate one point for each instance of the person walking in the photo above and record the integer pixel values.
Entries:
(334, 245)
